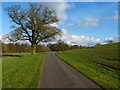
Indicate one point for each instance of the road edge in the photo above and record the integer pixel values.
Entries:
(80, 72)
(42, 68)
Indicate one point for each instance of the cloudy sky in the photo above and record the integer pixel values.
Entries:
(82, 23)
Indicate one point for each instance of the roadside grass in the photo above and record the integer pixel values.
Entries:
(106, 77)
(96, 58)
(22, 72)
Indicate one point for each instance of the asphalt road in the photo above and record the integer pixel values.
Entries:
(58, 74)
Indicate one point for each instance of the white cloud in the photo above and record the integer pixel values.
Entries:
(0, 37)
(78, 39)
(60, 8)
(113, 18)
(115, 39)
(4, 39)
(84, 40)
(88, 22)
(54, 25)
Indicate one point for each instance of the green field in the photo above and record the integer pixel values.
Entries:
(100, 63)
(22, 70)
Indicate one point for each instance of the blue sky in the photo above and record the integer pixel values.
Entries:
(88, 19)
(105, 29)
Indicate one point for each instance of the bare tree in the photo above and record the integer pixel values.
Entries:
(32, 24)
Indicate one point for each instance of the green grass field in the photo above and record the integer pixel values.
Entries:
(100, 64)
(23, 71)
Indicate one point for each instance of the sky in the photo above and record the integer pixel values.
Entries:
(82, 23)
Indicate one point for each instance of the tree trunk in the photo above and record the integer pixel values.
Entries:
(33, 49)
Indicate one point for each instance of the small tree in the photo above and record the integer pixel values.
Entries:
(98, 44)
(32, 24)
(110, 41)
(75, 47)
(62, 46)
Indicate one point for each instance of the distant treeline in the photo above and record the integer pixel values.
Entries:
(22, 48)
(63, 46)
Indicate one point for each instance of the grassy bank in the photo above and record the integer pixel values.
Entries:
(22, 72)
(96, 63)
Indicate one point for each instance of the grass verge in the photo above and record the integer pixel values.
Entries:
(106, 77)
(23, 72)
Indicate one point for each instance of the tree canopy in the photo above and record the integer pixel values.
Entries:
(32, 24)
